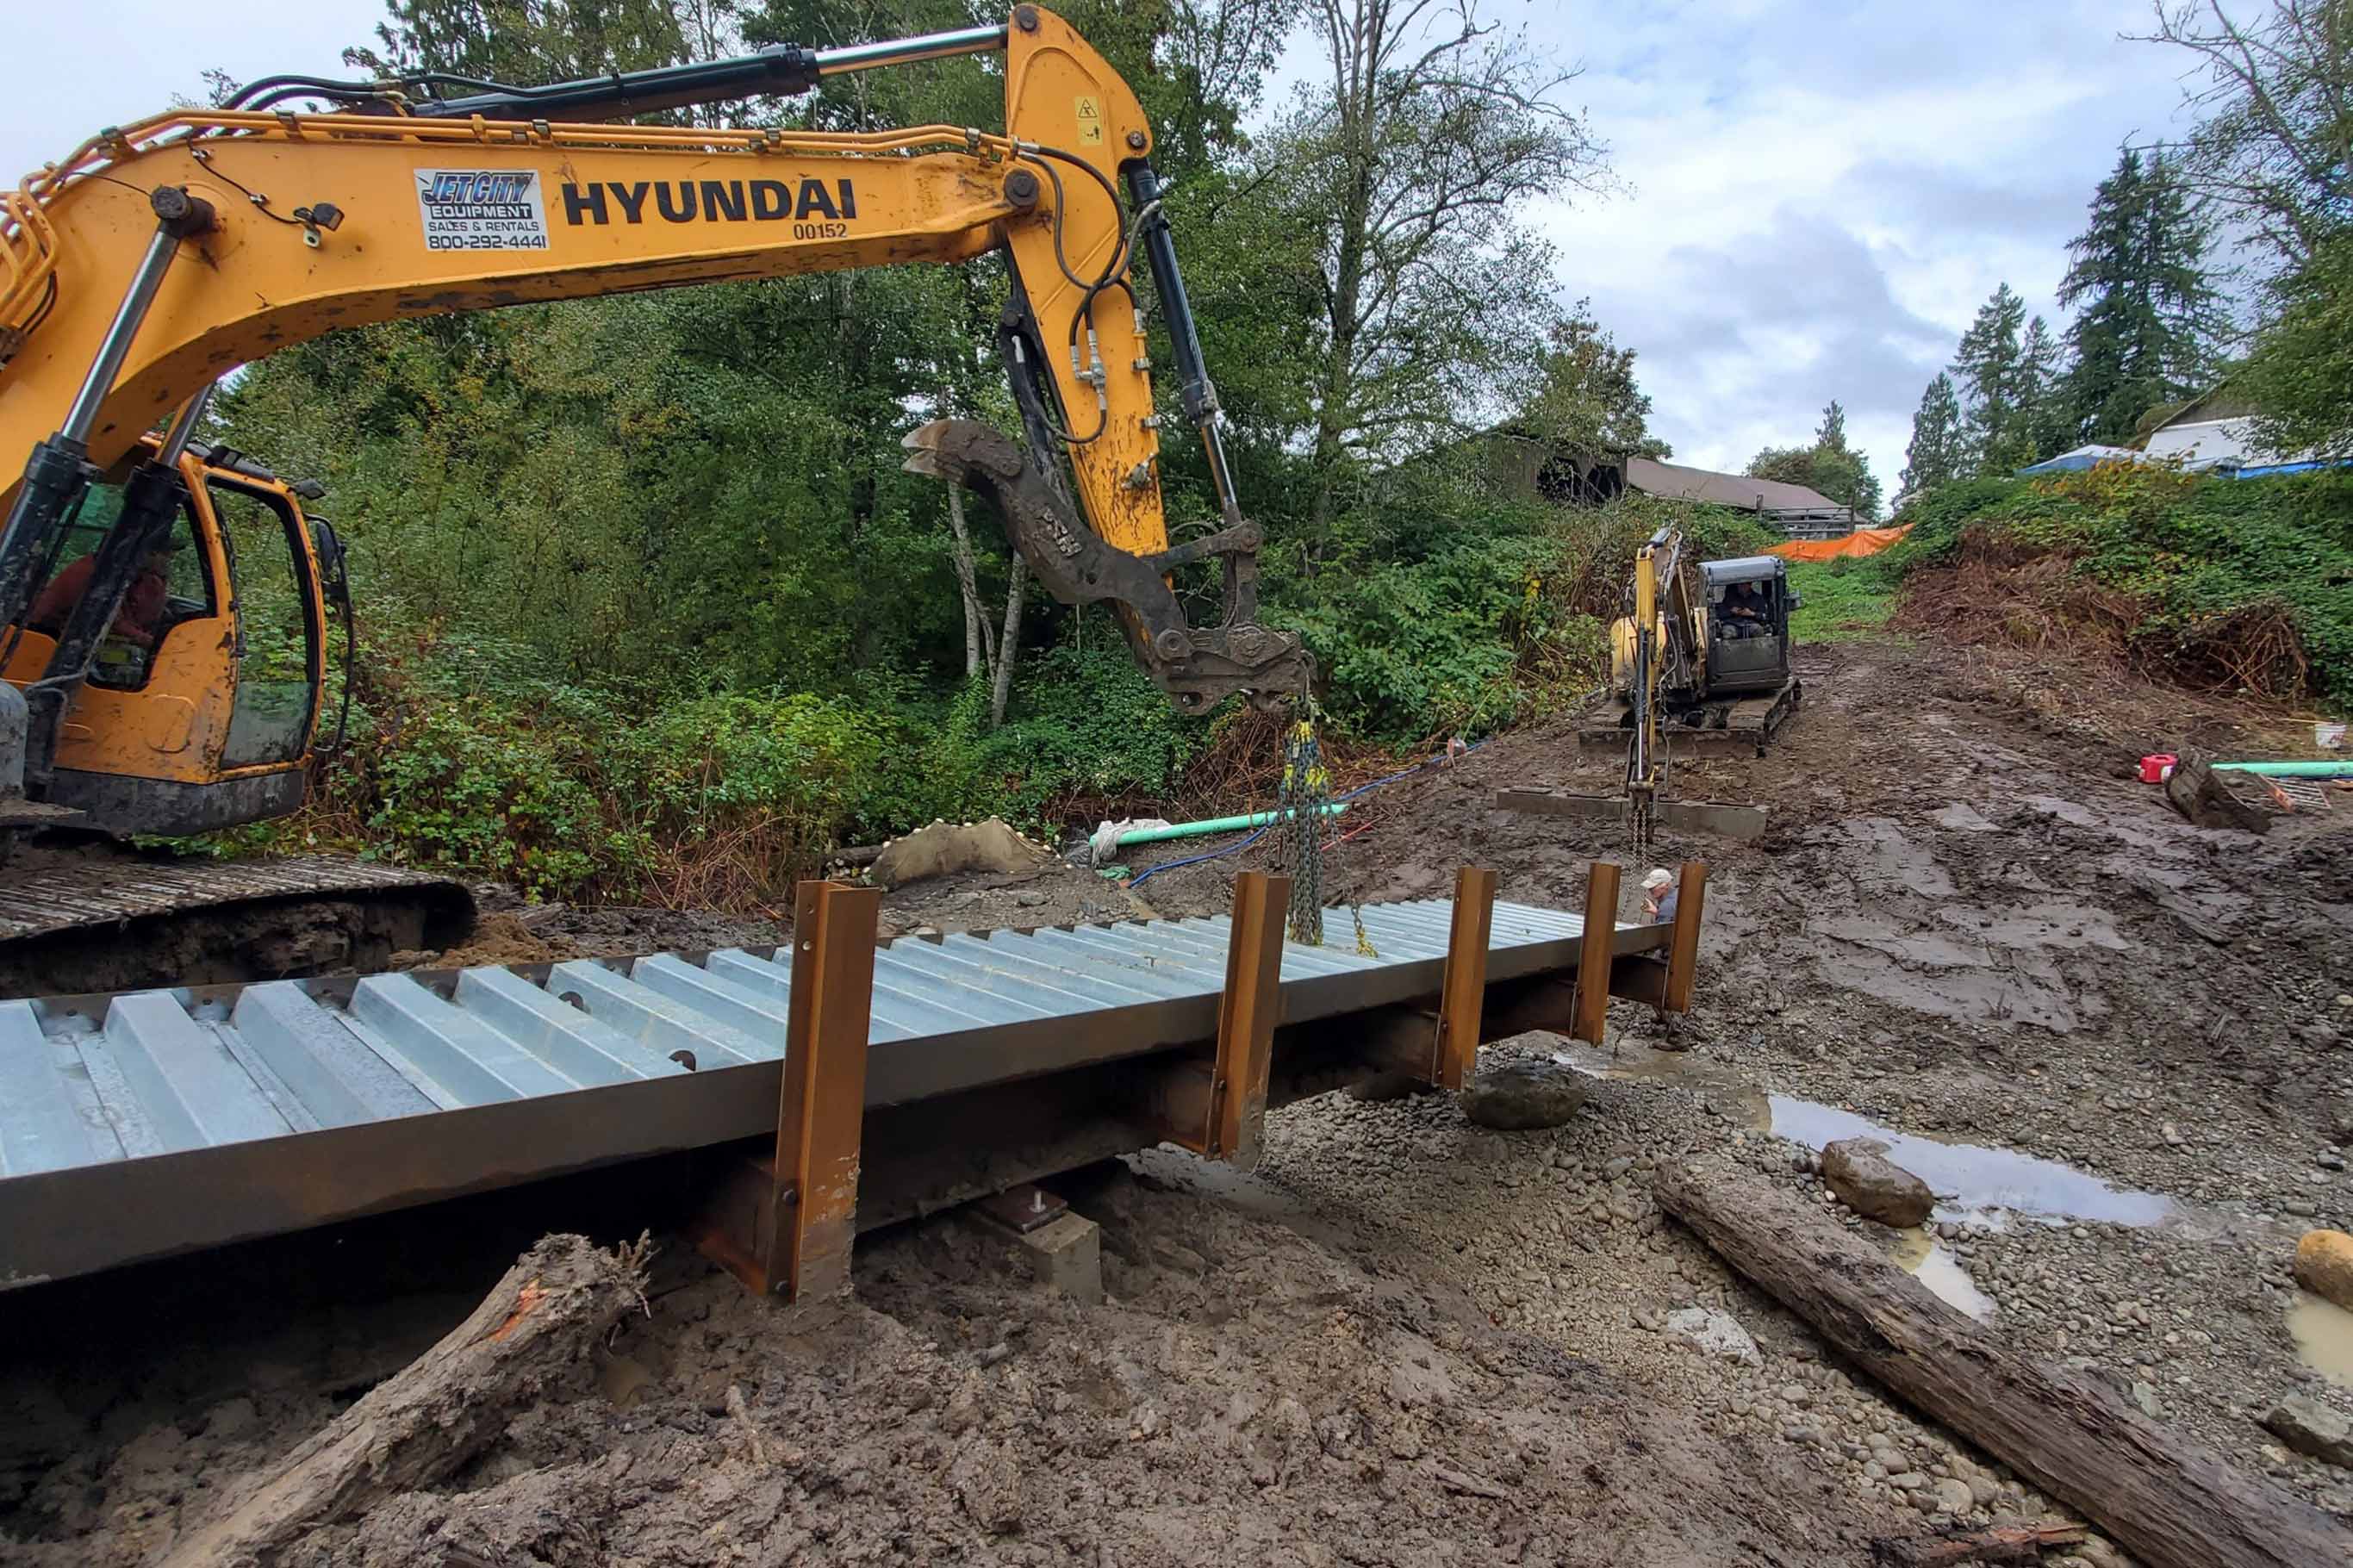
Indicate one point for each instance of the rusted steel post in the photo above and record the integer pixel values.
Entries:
(1247, 1015)
(1682, 948)
(1595, 952)
(1464, 996)
(824, 1098)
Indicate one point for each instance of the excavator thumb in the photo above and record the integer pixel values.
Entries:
(1196, 665)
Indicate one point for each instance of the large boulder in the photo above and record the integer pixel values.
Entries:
(944, 849)
(1520, 1095)
(1859, 1171)
(2323, 1265)
(2311, 1428)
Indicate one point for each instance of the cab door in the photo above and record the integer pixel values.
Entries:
(278, 652)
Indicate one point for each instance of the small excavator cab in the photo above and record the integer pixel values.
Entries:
(202, 705)
(1736, 663)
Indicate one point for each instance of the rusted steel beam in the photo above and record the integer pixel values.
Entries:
(1592, 1016)
(783, 1225)
(1456, 1048)
(1247, 1015)
(1682, 952)
(1215, 1105)
(823, 1096)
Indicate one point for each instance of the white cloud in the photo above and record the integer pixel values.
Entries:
(1823, 192)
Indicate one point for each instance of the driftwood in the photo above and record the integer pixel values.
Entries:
(2170, 1502)
(533, 1335)
(2197, 794)
(2021, 1543)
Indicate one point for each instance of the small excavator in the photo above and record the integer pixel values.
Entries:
(1699, 664)
(178, 686)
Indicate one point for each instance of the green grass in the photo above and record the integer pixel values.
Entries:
(1843, 600)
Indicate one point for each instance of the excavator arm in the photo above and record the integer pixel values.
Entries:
(159, 257)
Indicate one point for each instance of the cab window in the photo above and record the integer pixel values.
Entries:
(277, 657)
(171, 586)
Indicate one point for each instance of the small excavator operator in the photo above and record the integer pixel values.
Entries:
(1745, 612)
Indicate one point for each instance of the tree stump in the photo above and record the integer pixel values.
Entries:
(2197, 794)
(531, 1336)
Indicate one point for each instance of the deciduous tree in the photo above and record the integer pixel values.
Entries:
(1413, 159)
(1830, 467)
(2274, 101)
(1586, 399)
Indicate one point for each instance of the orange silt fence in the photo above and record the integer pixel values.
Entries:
(1861, 543)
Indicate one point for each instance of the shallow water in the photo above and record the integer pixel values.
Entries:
(2323, 1331)
(1974, 1181)
(1971, 1181)
(1929, 1262)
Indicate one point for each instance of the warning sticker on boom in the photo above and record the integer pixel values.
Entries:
(481, 209)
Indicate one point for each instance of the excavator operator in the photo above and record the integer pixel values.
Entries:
(139, 621)
(1743, 613)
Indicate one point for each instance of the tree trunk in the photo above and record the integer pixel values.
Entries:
(1016, 580)
(2168, 1502)
(535, 1333)
(967, 584)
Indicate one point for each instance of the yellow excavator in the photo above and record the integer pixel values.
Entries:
(1699, 664)
(165, 606)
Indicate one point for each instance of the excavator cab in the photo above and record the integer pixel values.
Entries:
(202, 704)
(1737, 663)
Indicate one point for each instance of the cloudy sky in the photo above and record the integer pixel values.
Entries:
(1821, 191)
(1824, 191)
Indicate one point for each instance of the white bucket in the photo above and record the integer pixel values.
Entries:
(2328, 734)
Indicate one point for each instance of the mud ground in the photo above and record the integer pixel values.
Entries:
(1406, 1339)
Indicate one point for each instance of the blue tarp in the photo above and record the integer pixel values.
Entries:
(2312, 465)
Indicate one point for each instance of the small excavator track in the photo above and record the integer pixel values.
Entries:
(97, 917)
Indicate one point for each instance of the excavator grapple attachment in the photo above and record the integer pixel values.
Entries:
(1196, 665)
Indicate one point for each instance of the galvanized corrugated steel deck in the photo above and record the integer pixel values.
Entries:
(161, 1121)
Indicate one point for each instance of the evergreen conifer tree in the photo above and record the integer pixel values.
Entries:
(2145, 333)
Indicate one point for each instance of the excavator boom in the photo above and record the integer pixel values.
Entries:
(156, 258)
(159, 257)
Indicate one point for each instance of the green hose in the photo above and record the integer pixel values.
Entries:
(2343, 770)
(1214, 824)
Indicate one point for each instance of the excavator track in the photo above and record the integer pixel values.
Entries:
(1723, 729)
(95, 917)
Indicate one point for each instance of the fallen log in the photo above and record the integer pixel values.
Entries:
(2170, 1502)
(531, 1336)
(2019, 1544)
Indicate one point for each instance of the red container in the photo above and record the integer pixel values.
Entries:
(2154, 768)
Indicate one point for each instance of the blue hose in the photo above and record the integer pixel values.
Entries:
(1258, 834)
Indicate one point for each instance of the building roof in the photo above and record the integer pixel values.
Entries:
(1675, 481)
(2211, 443)
(2083, 458)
